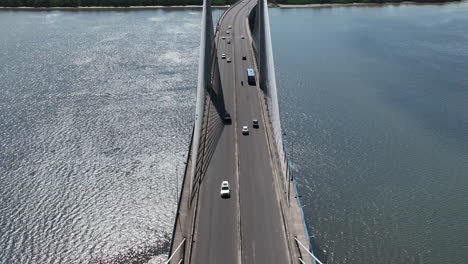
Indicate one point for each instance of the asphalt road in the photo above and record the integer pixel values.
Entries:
(247, 227)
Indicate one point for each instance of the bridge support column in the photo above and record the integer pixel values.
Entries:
(267, 76)
(204, 80)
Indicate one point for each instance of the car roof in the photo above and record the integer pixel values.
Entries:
(225, 183)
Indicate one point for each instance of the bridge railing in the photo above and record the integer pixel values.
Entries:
(177, 217)
(174, 253)
(310, 253)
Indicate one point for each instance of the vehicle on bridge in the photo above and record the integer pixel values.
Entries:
(245, 130)
(255, 123)
(223, 56)
(227, 118)
(251, 76)
(225, 192)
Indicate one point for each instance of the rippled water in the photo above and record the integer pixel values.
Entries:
(374, 102)
(95, 119)
(96, 110)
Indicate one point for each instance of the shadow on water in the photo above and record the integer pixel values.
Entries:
(137, 255)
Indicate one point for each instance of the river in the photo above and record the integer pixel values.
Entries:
(374, 102)
(96, 110)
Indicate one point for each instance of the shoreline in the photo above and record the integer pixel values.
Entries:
(109, 8)
(198, 7)
(404, 3)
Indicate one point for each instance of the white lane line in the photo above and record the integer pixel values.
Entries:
(234, 59)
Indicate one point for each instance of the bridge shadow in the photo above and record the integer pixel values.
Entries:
(212, 129)
(213, 123)
(216, 90)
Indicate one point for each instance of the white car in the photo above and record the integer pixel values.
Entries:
(223, 56)
(228, 60)
(227, 32)
(245, 130)
(229, 26)
(223, 38)
(225, 192)
(242, 37)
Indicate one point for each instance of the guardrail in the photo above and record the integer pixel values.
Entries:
(181, 189)
(173, 254)
(310, 253)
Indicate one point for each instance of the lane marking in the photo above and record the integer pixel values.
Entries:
(236, 136)
(236, 153)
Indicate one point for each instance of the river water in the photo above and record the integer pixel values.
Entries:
(95, 119)
(96, 111)
(374, 102)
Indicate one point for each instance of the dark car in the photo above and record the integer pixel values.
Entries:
(244, 57)
(227, 118)
(255, 123)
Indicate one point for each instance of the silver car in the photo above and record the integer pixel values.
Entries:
(225, 192)
(245, 130)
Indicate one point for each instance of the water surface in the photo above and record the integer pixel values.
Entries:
(374, 102)
(95, 119)
(96, 111)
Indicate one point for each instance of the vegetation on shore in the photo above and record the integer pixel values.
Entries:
(126, 3)
(103, 3)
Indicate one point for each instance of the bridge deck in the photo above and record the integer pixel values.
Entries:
(247, 227)
(255, 225)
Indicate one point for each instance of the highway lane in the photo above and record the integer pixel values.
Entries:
(217, 226)
(247, 227)
(262, 231)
